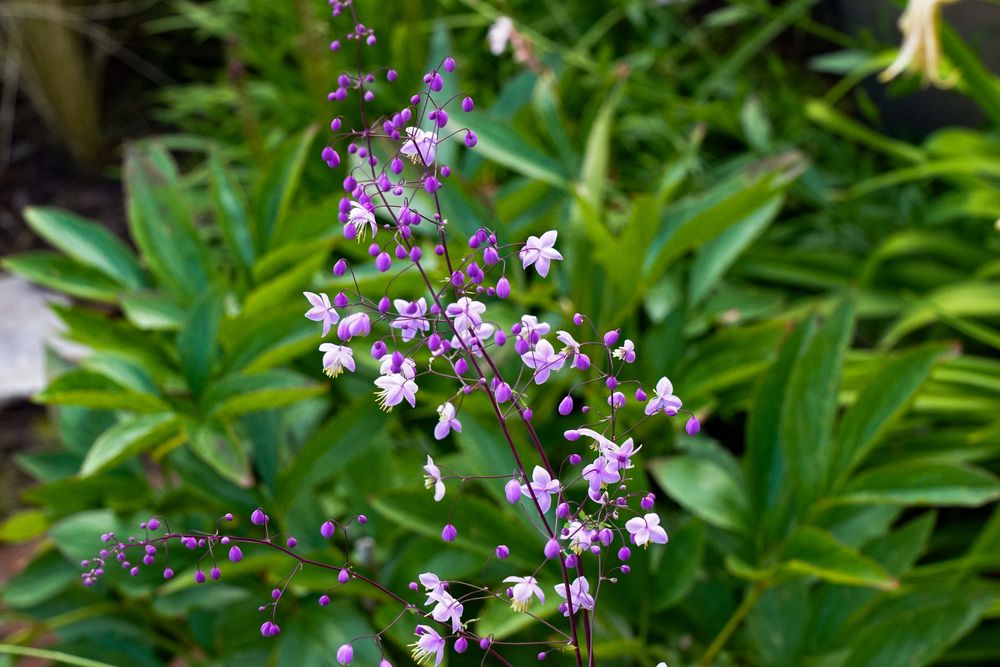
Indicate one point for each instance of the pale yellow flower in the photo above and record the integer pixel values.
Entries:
(921, 47)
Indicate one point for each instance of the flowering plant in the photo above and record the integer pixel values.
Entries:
(446, 336)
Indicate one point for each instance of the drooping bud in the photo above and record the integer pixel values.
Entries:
(513, 491)
(566, 405)
(692, 426)
(327, 529)
(449, 533)
(502, 551)
(552, 549)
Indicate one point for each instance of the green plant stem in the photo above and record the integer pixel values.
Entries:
(749, 600)
(56, 656)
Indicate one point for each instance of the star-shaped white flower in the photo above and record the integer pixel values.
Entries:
(540, 251)
(645, 529)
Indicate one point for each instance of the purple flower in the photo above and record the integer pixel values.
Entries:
(429, 644)
(362, 219)
(578, 595)
(393, 389)
(540, 252)
(411, 320)
(321, 311)
(389, 364)
(622, 455)
(663, 399)
(336, 358)
(430, 581)
(419, 146)
(541, 487)
(433, 478)
(524, 589)
(602, 471)
(353, 325)
(645, 529)
(579, 536)
(466, 313)
(447, 609)
(544, 360)
(626, 352)
(446, 422)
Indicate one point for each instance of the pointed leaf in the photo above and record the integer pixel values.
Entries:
(814, 552)
(917, 483)
(127, 438)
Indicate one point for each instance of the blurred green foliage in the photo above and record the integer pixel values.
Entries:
(823, 294)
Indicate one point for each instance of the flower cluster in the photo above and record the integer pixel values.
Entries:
(585, 508)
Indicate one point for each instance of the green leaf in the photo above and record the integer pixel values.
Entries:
(129, 437)
(88, 243)
(706, 489)
(597, 154)
(883, 397)
(811, 404)
(56, 272)
(23, 526)
(241, 393)
(677, 569)
(57, 657)
(45, 577)
(277, 186)
(94, 390)
(231, 214)
(501, 143)
(917, 483)
(966, 299)
(226, 456)
(153, 311)
(196, 340)
(163, 226)
(814, 552)
(913, 630)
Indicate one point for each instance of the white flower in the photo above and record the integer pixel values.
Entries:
(433, 478)
(363, 219)
(499, 34)
(921, 48)
(664, 399)
(393, 389)
(336, 358)
(466, 313)
(524, 588)
(420, 146)
(645, 529)
(540, 251)
(626, 352)
(542, 487)
(580, 538)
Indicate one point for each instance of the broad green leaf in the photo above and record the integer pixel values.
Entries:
(63, 274)
(882, 398)
(778, 621)
(501, 143)
(811, 404)
(240, 393)
(45, 577)
(231, 214)
(313, 639)
(706, 489)
(23, 526)
(814, 552)
(94, 390)
(87, 242)
(917, 483)
(226, 456)
(593, 177)
(272, 339)
(127, 438)
(162, 225)
(153, 311)
(274, 192)
(913, 630)
(196, 342)
(967, 299)
(766, 468)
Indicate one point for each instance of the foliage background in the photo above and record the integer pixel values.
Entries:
(820, 284)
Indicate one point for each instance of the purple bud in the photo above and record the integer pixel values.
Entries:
(542, 655)
(438, 249)
(575, 459)
(521, 346)
(168, 573)
(611, 337)
(461, 366)
(335, 124)
(693, 426)
(134, 572)
(215, 573)
(383, 262)
(500, 338)
(527, 414)
(334, 46)
(503, 288)
(611, 382)
(341, 300)
(552, 548)
(449, 533)
(484, 643)
(470, 139)
(468, 105)
(457, 278)
(490, 256)
(276, 594)
(449, 64)
(340, 268)
(571, 435)
(345, 654)
(640, 395)
(442, 119)
(391, 75)
(324, 600)
(199, 577)
(566, 406)
(461, 645)
(431, 185)
(571, 561)
(624, 553)
(562, 510)
(258, 518)
(362, 519)
(513, 491)
(327, 529)
(235, 554)
(647, 503)
(384, 304)
(343, 576)
(153, 524)
(413, 586)
(350, 183)
(502, 551)
(291, 542)
(625, 569)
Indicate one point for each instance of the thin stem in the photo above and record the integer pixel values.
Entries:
(749, 600)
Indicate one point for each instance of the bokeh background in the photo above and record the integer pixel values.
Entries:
(809, 253)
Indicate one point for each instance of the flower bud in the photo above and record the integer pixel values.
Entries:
(168, 573)
(647, 503)
(327, 529)
(471, 139)
(324, 600)
(215, 573)
(468, 105)
(625, 569)
(383, 262)
(343, 576)
(512, 491)
(345, 654)
(449, 533)
(552, 549)
(571, 435)
(502, 551)
(415, 254)
(571, 561)
(484, 643)
(153, 524)
(693, 426)
(461, 644)
(562, 510)
(640, 395)
(258, 518)
(566, 405)
(575, 459)
(199, 577)
(624, 553)
(611, 337)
